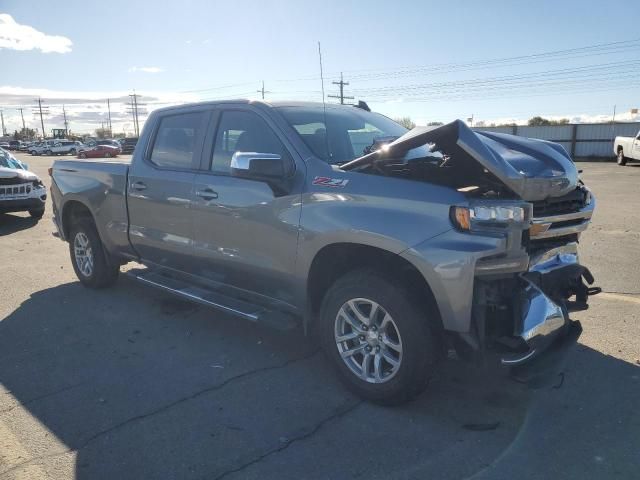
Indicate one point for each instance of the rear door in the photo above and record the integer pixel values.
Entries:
(160, 188)
(246, 231)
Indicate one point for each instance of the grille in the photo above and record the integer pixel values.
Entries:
(13, 191)
(569, 203)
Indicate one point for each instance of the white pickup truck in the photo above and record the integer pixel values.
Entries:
(627, 148)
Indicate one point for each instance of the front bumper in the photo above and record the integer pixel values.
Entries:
(542, 309)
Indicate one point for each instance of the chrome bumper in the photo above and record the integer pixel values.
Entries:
(542, 320)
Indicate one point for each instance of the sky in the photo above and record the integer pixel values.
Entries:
(495, 61)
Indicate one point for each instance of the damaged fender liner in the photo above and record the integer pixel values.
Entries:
(531, 169)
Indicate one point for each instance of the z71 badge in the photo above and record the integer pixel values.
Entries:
(330, 182)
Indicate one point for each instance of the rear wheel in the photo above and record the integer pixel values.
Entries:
(83, 155)
(48, 152)
(621, 159)
(88, 256)
(73, 151)
(107, 155)
(378, 337)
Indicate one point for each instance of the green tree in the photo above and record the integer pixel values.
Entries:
(434, 124)
(406, 122)
(540, 121)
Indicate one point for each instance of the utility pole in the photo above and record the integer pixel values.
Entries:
(342, 84)
(262, 90)
(109, 110)
(66, 124)
(39, 100)
(134, 112)
(4, 130)
(24, 127)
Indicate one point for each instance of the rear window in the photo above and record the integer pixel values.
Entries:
(176, 140)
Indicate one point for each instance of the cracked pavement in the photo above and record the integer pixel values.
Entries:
(131, 383)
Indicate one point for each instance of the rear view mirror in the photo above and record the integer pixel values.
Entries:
(257, 165)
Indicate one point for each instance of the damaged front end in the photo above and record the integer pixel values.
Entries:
(527, 204)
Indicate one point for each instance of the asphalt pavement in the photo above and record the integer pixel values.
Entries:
(130, 383)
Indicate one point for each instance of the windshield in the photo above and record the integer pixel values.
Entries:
(9, 161)
(346, 134)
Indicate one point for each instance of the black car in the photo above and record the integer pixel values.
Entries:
(128, 145)
(14, 144)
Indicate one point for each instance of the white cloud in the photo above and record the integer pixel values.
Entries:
(146, 69)
(14, 36)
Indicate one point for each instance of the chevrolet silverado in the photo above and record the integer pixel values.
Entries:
(389, 246)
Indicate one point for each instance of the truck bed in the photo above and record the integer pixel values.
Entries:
(100, 185)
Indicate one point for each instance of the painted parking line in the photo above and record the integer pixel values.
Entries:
(620, 297)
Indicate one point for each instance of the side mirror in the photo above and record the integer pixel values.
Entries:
(257, 165)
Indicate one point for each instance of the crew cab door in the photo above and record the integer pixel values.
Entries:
(160, 188)
(246, 229)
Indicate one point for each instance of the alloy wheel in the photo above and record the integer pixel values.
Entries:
(83, 254)
(368, 340)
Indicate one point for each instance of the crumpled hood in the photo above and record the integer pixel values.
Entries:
(533, 169)
(17, 173)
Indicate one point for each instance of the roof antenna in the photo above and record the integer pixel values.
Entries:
(324, 106)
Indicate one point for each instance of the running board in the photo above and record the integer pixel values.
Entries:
(210, 298)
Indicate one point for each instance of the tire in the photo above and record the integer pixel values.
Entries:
(99, 272)
(409, 330)
(107, 155)
(73, 151)
(48, 152)
(83, 155)
(33, 152)
(621, 159)
(37, 213)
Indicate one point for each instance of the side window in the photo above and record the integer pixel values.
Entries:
(176, 140)
(243, 132)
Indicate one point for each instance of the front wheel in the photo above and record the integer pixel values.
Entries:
(36, 213)
(73, 151)
(380, 339)
(83, 155)
(107, 155)
(621, 159)
(48, 152)
(88, 256)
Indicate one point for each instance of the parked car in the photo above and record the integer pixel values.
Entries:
(128, 145)
(65, 147)
(5, 145)
(24, 146)
(627, 148)
(100, 151)
(38, 148)
(293, 213)
(14, 144)
(20, 190)
(94, 143)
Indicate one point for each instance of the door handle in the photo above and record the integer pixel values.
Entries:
(207, 194)
(139, 186)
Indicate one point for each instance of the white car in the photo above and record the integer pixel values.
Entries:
(20, 189)
(627, 148)
(65, 147)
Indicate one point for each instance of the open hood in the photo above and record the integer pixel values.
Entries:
(532, 169)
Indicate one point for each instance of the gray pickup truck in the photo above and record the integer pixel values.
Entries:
(390, 246)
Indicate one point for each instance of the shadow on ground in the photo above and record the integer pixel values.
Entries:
(13, 223)
(138, 385)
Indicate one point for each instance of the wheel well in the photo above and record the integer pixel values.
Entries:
(73, 211)
(335, 260)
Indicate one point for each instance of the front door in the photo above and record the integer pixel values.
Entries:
(246, 233)
(160, 188)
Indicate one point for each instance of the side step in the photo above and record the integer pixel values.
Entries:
(211, 298)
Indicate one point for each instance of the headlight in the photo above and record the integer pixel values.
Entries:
(38, 184)
(488, 216)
